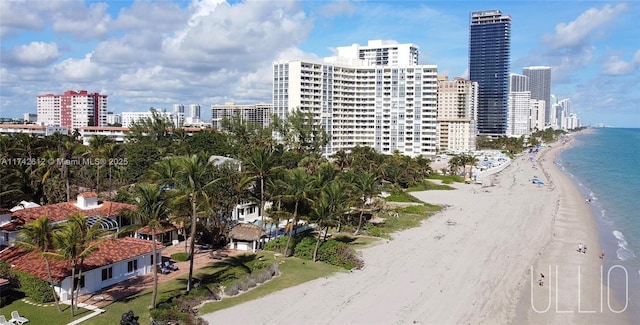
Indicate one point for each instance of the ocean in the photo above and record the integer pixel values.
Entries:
(604, 163)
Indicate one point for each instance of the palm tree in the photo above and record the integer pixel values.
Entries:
(96, 151)
(258, 166)
(330, 205)
(37, 236)
(75, 241)
(194, 178)
(366, 187)
(468, 160)
(68, 149)
(151, 211)
(112, 152)
(320, 214)
(90, 238)
(297, 186)
(454, 164)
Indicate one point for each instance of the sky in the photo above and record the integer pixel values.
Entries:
(146, 54)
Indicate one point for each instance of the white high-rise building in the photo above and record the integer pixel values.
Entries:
(387, 108)
(563, 113)
(194, 111)
(259, 114)
(457, 112)
(540, 87)
(178, 108)
(519, 114)
(128, 118)
(113, 118)
(379, 52)
(30, 117)
(537, 114)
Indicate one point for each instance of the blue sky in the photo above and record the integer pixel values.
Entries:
(157, 53)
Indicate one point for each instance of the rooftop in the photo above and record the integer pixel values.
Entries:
(109, 251)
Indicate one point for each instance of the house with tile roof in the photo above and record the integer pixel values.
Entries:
(108, 214)
(113, 261)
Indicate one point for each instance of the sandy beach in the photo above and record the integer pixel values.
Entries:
(476, 262)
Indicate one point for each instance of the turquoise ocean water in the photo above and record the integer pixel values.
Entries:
(605, 165)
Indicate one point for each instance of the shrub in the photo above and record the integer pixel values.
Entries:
(374, 230)
(180, 257)
(304, 249)
(243, 285)
(256, 265)
(278, 245)
(35, 288)
(232, 289)
(172, 313)
(263, 276)
(339, 254)
(274, 269)
(251, 282)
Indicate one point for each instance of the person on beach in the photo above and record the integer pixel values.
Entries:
(541, 280)
(584, 249)
(580, 248)
(602, 255)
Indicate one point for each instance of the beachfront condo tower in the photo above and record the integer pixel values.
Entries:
(385, 107)
(457, 110)
(519, 117)
(379, 52)
(540, 87)
(489, 62)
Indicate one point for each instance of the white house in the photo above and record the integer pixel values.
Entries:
(113, 261)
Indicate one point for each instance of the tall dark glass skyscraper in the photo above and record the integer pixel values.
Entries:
(489, 62)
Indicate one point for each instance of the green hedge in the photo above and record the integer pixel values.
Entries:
(304, 249)
(277, 245)
(339, 254)
(35, 288)
(331, 251)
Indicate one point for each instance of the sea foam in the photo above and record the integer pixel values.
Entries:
(623, 252)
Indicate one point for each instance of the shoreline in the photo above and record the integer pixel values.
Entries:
(575, 290)
(470, 263)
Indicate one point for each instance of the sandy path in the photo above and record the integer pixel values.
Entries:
(467, 264)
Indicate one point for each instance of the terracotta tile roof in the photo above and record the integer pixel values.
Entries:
(3, 282)
(60, 211)
(109, 251)
(4, 211)
(166, 227)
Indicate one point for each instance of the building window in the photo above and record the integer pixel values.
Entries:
(107, 273)
(80, 282)
(132, 266)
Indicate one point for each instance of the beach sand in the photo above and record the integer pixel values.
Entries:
(470, 263)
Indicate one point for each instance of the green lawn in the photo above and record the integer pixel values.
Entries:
(293, 271)
(42, 315)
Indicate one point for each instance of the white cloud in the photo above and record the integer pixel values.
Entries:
(134, 48)
(616, 66)
(242, 36)
(83, 22)
(153, 78)
(35, 54)
(576, 33)
(159, 17)
(78, 70)
(337, 8)
(15, 16)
